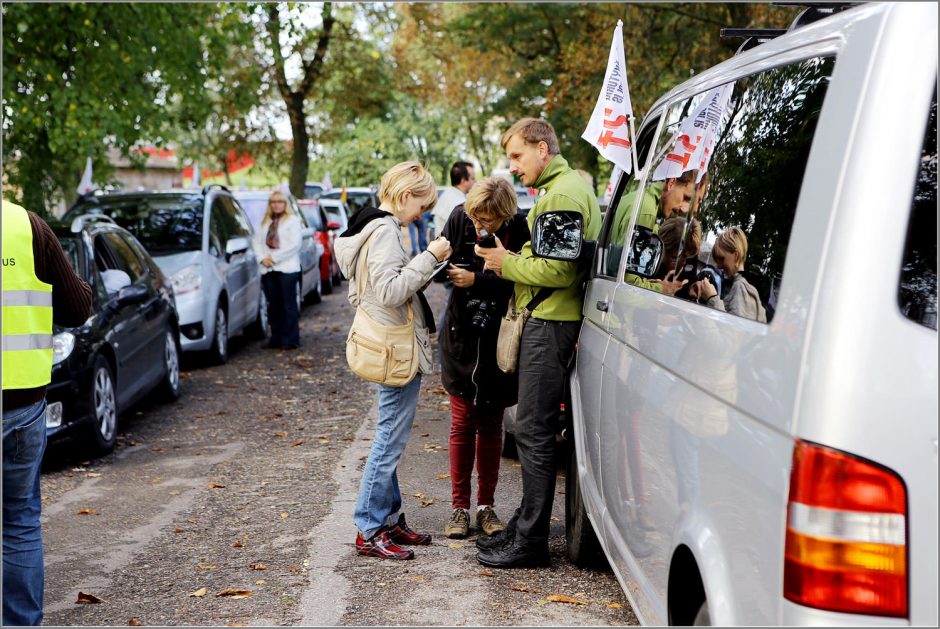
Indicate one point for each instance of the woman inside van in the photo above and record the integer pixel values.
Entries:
(729, 252)
(276, 244)
(393, 282)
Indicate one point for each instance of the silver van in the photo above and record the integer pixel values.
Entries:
(756, 442)
(201, 240)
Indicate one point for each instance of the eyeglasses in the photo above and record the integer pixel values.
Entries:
(485, 222)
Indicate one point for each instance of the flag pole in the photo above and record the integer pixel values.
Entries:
(636, 161)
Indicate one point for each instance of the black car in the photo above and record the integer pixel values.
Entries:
(128, 347)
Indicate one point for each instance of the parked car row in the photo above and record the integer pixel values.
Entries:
(171, 271)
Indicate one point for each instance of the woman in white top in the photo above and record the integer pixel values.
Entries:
(277, 245)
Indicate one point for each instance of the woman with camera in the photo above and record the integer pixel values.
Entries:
(479, 391)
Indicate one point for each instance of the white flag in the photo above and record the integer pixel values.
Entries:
(195, 181)
(327, 184)
(697, 136)
(85, 185)
(609, 124)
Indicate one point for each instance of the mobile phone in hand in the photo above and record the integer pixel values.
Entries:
(487, 241)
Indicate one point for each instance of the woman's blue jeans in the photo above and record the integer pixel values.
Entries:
(24, 441)
(379, 496)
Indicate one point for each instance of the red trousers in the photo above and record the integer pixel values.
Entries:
(474, 432)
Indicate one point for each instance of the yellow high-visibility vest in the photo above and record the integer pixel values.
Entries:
(27, 307)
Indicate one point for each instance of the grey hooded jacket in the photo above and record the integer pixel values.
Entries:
(393, 278)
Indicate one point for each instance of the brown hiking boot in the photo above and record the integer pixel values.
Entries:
(459, 524)
(488, 522)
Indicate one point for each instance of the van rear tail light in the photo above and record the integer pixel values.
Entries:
(846, 547)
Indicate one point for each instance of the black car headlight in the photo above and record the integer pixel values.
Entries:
(62, 345)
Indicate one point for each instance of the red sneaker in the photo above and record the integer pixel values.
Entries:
(379, 545)
(401, 533)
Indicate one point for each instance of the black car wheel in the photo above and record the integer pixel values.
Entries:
(260, 329)
(220, 338)
(103, 433)
(169, 389)
(584, 549)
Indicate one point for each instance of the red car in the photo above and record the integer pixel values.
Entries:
(330, 275)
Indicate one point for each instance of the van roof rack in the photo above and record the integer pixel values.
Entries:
(79, 222)
(757, 36)
(210, 186)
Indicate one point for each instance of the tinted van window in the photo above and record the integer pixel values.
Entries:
(163, 224)
(917, 293)
(729, 192)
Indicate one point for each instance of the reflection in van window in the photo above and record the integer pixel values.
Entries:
(761, 131)
(917, 293)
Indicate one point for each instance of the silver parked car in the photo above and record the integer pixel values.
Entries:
(759, 447)
(255, 204)
(200, 239)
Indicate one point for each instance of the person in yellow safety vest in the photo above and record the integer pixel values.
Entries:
(39, 287)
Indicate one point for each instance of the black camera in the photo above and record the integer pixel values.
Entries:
(483, 314)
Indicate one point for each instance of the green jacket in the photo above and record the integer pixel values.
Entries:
(561, 188)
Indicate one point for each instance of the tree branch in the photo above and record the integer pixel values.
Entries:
(667, 9)
(314, 68)
(274, 32)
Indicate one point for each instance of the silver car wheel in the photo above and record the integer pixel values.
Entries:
(105, 408)
(172, 362)
(221, 333)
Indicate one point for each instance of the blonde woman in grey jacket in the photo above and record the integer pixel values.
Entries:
(394, 280)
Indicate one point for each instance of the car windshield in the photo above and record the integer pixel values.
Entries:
(312, 191)
(71, 249)
(163, 224)
(254, 208)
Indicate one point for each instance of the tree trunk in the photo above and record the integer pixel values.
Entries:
(300, 160)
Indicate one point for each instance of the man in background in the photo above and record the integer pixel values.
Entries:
(462, 179)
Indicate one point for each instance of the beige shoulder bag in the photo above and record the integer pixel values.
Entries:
(510, 331)
(385, 354)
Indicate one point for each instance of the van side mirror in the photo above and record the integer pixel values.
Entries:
(239, 244)
(557, 235)
(645, 254)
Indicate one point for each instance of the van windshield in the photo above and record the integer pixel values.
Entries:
(164, 225)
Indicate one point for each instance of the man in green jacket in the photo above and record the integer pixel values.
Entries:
(548, 339)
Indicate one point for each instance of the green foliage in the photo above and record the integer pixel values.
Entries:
(80, 78)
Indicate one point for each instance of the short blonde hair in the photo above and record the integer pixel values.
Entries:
(493, 195)
(733, 240)
(407, 177)
(533, 131)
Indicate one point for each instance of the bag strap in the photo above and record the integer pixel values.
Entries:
(363, 272)
(543, 294)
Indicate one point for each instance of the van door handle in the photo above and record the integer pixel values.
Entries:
(602, 305)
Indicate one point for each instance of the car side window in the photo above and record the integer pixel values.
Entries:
(610, 243)
(236, 221)
(124, 257)
(724, 186)
(917, 291)
(218, 234)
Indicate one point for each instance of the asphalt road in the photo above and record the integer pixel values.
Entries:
(233, 506)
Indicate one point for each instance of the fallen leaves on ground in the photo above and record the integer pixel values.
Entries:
(425, 434)
(231, 593)
(284, 515)
(88, 599)
(418, 577)
(455, 545)
(296, 443)
(426, 503)
(92, 475)
(561, 598)
(524, 588)
(178, 530)
(281, 433)
(199, 592)
(420, 495)
(133, 622)
(614, 605)
(238, 545)
(486, 573)
(442, 476)
(86, 512)
(257, 566)
(216, 486)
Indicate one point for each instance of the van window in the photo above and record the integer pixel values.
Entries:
(917, 292)
(724, 184)
(613, 232)
(236, 223)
